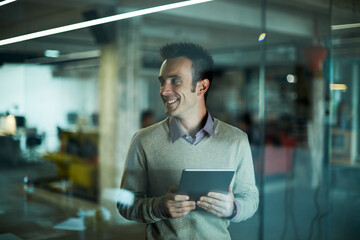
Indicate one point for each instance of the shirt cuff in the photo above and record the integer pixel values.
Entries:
(159, 208)
(236, 211)
(162, 209)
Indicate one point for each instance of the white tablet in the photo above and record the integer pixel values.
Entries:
(198, 182)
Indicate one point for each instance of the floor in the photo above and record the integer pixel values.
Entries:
(34, 217)
(293, 208)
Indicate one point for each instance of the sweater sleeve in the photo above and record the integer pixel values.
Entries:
(144, 209)
(245, 190)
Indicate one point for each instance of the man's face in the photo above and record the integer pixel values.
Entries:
(176, 88)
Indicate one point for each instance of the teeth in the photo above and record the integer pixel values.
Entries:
(171, 101)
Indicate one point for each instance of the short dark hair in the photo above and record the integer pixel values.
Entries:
(202, 61)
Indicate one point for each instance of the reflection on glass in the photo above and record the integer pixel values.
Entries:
(311, 139)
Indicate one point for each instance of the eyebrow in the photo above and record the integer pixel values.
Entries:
(171, 76)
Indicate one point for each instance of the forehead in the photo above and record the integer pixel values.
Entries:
(176, 66)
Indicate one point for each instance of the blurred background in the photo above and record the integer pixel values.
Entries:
(286, 73)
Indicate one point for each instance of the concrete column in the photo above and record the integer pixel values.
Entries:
(108, 100)
(128, 90)
(316, 129)
(120, 94)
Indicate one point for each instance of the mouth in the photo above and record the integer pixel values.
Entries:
(171, 101)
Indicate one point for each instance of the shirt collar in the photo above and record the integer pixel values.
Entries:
(176, 132)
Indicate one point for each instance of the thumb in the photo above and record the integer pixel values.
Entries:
(230, 189)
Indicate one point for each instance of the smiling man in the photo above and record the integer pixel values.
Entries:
(188, 138)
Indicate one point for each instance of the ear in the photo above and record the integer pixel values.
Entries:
(202, 86)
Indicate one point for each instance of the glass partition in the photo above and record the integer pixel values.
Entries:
(344, 122)
(286, 73)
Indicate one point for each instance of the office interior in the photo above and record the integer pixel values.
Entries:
(286, 73)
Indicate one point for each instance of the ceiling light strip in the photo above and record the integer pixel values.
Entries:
(345, 26)
(2, 3)
(98, 21)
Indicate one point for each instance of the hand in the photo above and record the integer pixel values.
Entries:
(175, 205)
(221, 205)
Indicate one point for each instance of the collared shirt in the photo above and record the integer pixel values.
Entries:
(176, 131)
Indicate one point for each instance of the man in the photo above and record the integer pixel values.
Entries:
(188, 138)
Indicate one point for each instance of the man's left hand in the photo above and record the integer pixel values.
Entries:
(221, 205)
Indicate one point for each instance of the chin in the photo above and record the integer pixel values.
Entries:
(169, 113)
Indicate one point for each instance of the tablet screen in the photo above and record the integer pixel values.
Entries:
(198, 182)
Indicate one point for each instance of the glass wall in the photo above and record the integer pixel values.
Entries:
(286, 73)
(344, 122)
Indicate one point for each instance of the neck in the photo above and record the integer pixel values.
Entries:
(192, 124)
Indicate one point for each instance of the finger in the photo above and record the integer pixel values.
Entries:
(217, 207)
(181, 210)
(212, 201)
(219, 196)
(230, 190)
(214, 209)
(184, 204)
(178, 197)
(179, 214)
(212, 204)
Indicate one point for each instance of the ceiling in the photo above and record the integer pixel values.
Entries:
(227, 28)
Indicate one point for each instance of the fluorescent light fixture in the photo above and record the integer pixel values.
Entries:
(345, 26)
(98, 21)
(262, 37)
(52, 53)
(341, 87)
(2, 3)
(65, 57)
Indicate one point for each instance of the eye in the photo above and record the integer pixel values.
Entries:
(175, 81)
(161, 81)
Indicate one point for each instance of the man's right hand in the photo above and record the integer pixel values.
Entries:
(175, 205)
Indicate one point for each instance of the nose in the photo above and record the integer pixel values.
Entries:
(166, 89)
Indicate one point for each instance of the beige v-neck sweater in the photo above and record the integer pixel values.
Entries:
(154, 164)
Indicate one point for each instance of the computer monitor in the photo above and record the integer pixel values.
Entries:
(20, 121)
